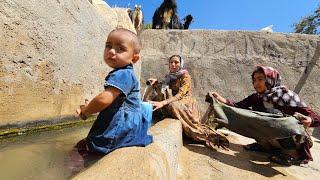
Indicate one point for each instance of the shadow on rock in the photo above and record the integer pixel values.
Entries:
(238, 158)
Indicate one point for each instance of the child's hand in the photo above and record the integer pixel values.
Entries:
(79, 111)
(218, 97)
(306, 120)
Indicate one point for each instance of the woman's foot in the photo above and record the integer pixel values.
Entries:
(285, 159)
(255, 147)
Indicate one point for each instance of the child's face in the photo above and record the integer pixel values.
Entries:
(259, 82)
(119, 50)
(174, 64)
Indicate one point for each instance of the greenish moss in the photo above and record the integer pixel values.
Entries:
(13, 132)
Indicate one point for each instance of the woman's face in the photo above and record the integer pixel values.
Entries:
(259, 82)
(174, 64)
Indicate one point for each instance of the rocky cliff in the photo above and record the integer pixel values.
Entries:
(52, 56)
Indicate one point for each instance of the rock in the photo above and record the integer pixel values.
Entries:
(267, 29)
(59, 49)
(199, 162)
(158, 160)
(117, 17)
(122, 15)
(224, 60)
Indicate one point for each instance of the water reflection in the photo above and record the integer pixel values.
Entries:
(40, 156)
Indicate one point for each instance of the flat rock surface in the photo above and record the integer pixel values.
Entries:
(199, 162)
(158, 160)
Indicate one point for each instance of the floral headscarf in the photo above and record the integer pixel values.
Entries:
(277, 94)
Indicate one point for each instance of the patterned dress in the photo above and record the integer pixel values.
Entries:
(182, 106)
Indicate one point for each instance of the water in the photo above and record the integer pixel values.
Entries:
(40, 156)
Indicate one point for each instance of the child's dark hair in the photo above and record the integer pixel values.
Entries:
(257, 70)
(134, 38)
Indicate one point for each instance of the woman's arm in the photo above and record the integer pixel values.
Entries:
(311, 119)
(245, 103)
(99, 103)
(183, 90)
(219, 97)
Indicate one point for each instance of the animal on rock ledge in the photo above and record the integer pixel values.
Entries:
(136, 17)
(165, 17)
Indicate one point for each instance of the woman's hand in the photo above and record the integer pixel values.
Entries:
(158, 105)
(218, 97)
(306, 120)
(152, 81)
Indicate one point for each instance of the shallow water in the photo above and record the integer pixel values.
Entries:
(40, 156)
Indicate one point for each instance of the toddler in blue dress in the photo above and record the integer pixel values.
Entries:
(123, 119)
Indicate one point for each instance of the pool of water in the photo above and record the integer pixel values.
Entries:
(42, 155)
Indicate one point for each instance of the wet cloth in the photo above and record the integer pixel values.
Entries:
(126, 121)
(257, 125)
(278, 98)
(256, 102)
(272, 131)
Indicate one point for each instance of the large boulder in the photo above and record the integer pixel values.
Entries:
(51, 57)
(224, 60)
(158, 160)
(117, 17)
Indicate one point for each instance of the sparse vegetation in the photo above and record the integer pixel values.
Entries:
(147, 26)
(309, 24)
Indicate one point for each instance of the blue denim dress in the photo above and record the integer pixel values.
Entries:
(126, 121)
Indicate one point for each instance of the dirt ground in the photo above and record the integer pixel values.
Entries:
(199, 162)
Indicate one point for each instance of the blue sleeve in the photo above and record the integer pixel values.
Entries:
(121, 79)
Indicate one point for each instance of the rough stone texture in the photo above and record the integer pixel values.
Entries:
(51, 57)
(224, 60)
(116, 17)
(158, 160)
(199, 162)
(106, 12)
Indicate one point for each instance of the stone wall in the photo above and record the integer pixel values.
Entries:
(224, 60)
(51, 56)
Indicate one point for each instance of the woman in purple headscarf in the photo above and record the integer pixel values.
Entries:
(272, 97)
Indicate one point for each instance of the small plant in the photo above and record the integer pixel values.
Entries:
(309, 24)
(147, 26)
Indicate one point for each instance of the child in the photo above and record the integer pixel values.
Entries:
(123, 119)
(271, 97)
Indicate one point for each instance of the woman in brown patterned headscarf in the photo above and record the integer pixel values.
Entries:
(272, 97)
(174, 98)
